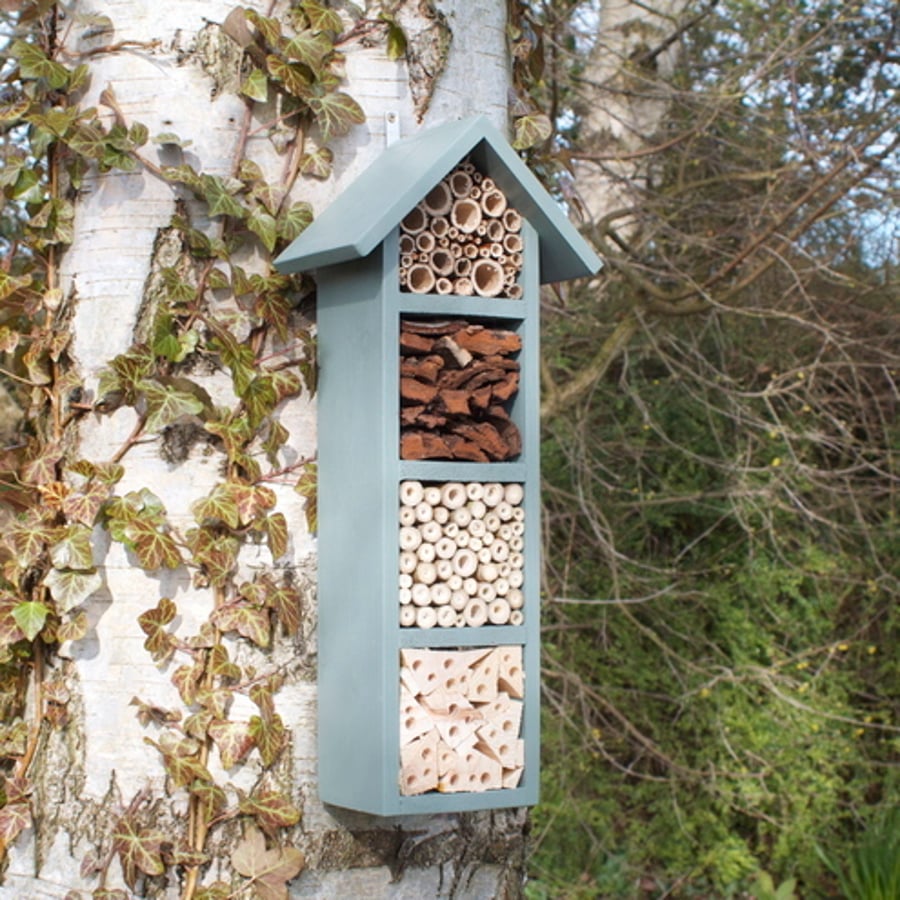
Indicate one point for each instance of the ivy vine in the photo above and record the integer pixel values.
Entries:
(55, 498)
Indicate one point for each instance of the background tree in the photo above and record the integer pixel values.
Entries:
(157, 603)
(720, 447)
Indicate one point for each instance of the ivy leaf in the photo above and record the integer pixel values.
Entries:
(274, 310)
(317, 164)
(256, 86)
(336, 113)
(154, 547)
(219, 506)
(70, 588)
(14, 818)
(321, 18)
(285, 602)
(159, 644)
(271, 809)
(212, 798)
(291, 75)
(531, 130)
(220, 199)
(138, 849)
(33, 63)
(30, 616)
(83, 506)
(166, 405)
(396, 39)
(74, 628)
(260, 399)
(294, 219)
(310, 48)
(269, 870)
(14, 110)
(263, 226)
(74, 549)
(277, 531)
(217, 554)
(307, 487)
(269, 28)
(172, 139)
(250, 621)
(233, 740)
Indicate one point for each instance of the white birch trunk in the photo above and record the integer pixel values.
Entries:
(94, 766)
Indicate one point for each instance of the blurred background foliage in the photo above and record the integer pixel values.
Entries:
(719, 449)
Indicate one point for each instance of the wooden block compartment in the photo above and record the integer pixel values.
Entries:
(461, 560)
(459, 381)
(461, 713)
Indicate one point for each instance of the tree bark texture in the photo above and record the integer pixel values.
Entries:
(175, 71)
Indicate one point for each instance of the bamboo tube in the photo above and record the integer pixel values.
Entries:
(476, 527)
(515, 292)
(426, 573)
(484, 251)
(454, 582)
(462, 287)
(516, 578)
(496, 251)
(475, 613)
(444, 569)
(487, 538)
(515, 598)
(446, 617)
(498, 611)
(425, 552)
(458, 600)
(470, 251)
(405, 595)
(443, 285)
(408, 561)
(494, 493)
(499, 551)
(465, 562)
(487, 592)
(467, 166)
(462, 539)
(512, 221)
(453, 495)
(409, 538)
(493, 202)
(431, 494)
(516, 617)
(426, 617)
(438, 200)
(475, 544)
(462, 516)
(414, 221)
(516, 544)
(513, 493)
(487, 183)
(477, 177)
(440, 594)
(501, 586)
(421, 279)
(407, 244)
(424, 512)
(453, 233)
(451, 529)
(441, 515)
(504, 510)
(411, 492)
(487, 278)
(421, 595)
(466, 215)
(445, 548)
(456, 251)
(495, 230)
(475, 193)
(518, 514)
(515, 260)
(512, 243)
(407, 515)
(470, 586)
(462, 266)
(430, 531)
(460, 183)
(487, 572)
(405, 581)
(484, 554)
(407, 616)
(474, 490)
(425, 242)
(440, 225)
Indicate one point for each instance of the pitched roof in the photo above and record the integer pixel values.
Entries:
(363, 214)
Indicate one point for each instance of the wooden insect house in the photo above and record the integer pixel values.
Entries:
(428, 270)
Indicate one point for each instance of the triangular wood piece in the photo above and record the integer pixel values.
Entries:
(414, 720)
(419, 765)
(511, 676)
(483, 680)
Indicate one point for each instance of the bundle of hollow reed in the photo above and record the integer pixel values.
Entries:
(456, 380)
(462, 239)
(461, 554)
(461, 719)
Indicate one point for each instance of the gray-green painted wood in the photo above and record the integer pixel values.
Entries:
(361, 217)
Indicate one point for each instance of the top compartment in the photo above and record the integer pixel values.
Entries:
(462, 238)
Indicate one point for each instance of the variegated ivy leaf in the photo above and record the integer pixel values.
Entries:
(220, 197)
(293, 220)
(309, 47)
(220, 506)
(277, 531)
(160, 644)
(71, 588)
(252, 622)
(34, 63)
(336, 113)
(212, 799)
(153, 546)
(270, 736)
(531, 130)
(321, 18)
(269, 28)
(256, 86)
(317, 164)
(233, 741)
(271, 809)
(165, 405)
(74, 549)
(285, 602)
(260, 399)
(263, 226)
(139, 850)
(291, 75)
(30, 616)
